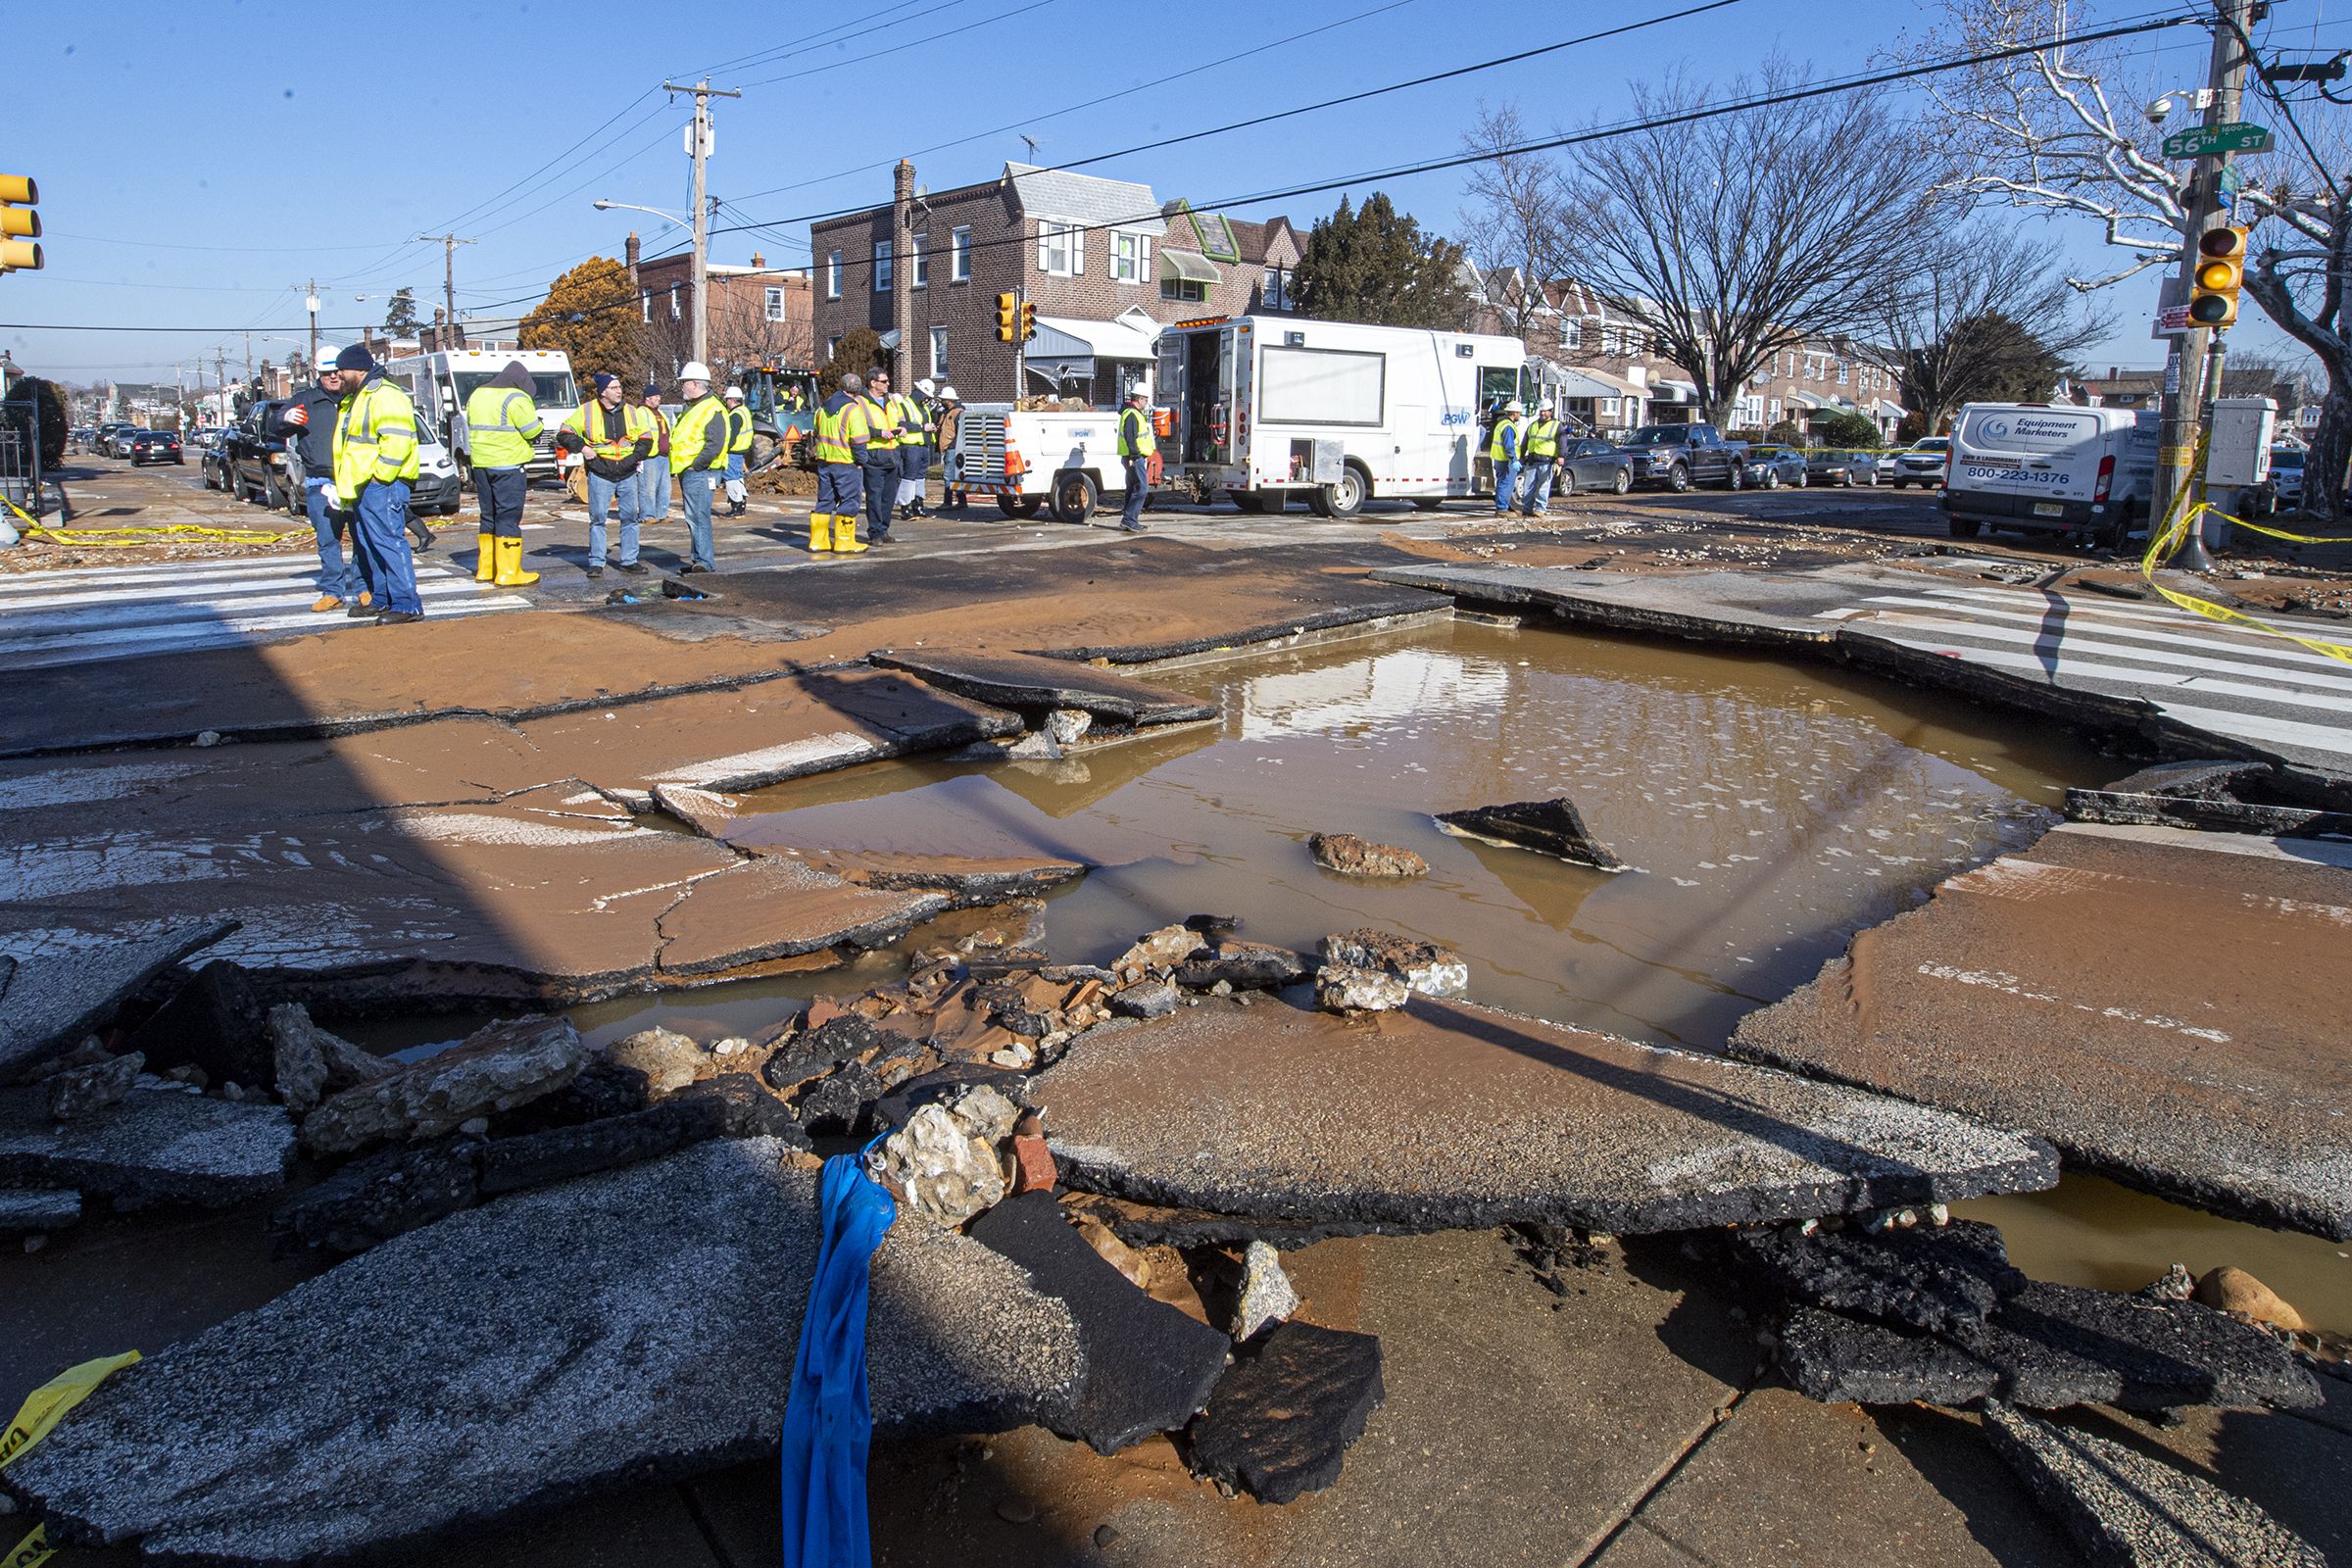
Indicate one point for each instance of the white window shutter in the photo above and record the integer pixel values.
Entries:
(1045, 234)
(1078, 249)
(1143, 258)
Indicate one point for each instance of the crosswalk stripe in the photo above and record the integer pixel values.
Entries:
(2162, 614)
(2162, 680)
(76, 648)
(181, 572)
(2263, 728)
(190, 592)
(95, 620)
(2170, 645)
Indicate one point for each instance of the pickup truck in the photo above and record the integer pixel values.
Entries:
(253, 460)
(1675, 457)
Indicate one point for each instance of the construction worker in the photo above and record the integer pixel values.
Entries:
(950, 461)
(500, 422)
(1540, 456)
(1137, 445)
(308, 423)
(653, 476)
(375, 456)
(698, 456)
(738, 445)
(1503, 451)
(882, 439)
(842, 435)
(917, 428)
(617, 437)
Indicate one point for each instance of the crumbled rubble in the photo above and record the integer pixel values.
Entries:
(1549, 827)
(1240, 967)
(2227, 796)
(1352, 855)
(1280, 1422)
(1931, 1278)
(318, 1061)
(34, 1211)
(1344, 988)
(79, 1091)
(1423, 966)
(1266, 1294)
(50, 1005)
(944, 1164)
(498, 1067)
(2125, 1509)
(218, 1022)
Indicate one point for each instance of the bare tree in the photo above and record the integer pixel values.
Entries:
(2041, 131)
(1515, 226)
(1732, 238)
(1978, 301)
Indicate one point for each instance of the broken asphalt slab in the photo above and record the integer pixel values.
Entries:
(158, 1144)
(530, 1353)
(1442, 1115)
(1035, 686)
(1280, 1422)
(2048, 991)
(49, 1000)
(1549, 827)
(1929, 1277)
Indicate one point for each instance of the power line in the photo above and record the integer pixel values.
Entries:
(902, 45)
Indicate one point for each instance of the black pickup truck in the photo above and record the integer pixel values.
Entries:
(1675, 457)
(254, 458)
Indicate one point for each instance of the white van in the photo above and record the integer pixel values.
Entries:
(1265, 407)
(441, 382)
(2051, 467)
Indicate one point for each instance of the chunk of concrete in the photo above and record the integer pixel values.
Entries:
(1145, 998)
(1160, 950)
(942, 1163)
(1423, 966)
(159, 1145)
(730, 1106)
(1549, 827)
(34, 1211)
(80, 1091)
(499, 1066)
(1936, 1277)
(1280, 1422)
(1266, 1294)
(50, 1003)
(1344, 988)
(1242, 966)
(381, 1195)
(291, 1031)
(1148, 1368)
(216, 1021)
(1444, 1115)
(1350, 856)
(2128, 1509)
(669, 1059)
(528, 1353)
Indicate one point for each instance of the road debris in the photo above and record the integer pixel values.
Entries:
(1266, 1294)
(1423, 966)
(1282, 1420)
(498, 1067)
(1352, 855)
(48, 1003)
(1551, 827)
(162, 1143)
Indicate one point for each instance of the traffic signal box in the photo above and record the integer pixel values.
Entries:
(1028, 322)
(20, 225)
(2221, 272)
(1007, 319)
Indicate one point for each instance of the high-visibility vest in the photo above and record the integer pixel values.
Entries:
(500, 422)
(610, 432)
(914, 424)
(1136, 439)
(686, 437)
(738, 428)
(375, 438)
(840, 428)
(1495, 442)
(1543, 437)
(882, 427)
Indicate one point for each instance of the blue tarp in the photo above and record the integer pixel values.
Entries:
(828, 1424)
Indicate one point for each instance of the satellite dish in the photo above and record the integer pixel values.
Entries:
(890, 339)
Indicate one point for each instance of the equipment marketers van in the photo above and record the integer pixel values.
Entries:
(2050, 468)
(441, 382)
(1269, 407)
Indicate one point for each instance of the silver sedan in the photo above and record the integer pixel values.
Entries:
(1770, 466)
(1828, 465)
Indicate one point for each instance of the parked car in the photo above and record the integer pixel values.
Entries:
(2040, 468)
(82, 438)
(1593, 465)
(1924, 462)
(113, 439)
(1830, 465)
(2286, 476)
(1886, 468)
(155, 446)
(212, 460)
(1771, 466)
(257, 460)
(1677, 456)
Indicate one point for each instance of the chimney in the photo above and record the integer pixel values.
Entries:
(757, 260)
(629, 252)
(2112, 372)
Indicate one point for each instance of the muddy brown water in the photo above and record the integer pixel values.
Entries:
(1770, 811)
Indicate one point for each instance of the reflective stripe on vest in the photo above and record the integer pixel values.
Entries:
(378, 410)
(499, 442)
(1543, 438)
(624, 428)
(840, 430)
(1136, 439)
(1495, 442)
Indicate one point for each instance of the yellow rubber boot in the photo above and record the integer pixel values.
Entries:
(510, 566)
(845, 534)
(820, 532)
(485, 563)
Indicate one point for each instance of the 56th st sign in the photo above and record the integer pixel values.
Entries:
(2231, 136)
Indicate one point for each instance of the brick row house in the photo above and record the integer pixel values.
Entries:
(759, 315)
(1105, 262)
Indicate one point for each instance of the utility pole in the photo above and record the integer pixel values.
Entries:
(310, 298)
(449, 244)
(2192, 370)
(699, 147)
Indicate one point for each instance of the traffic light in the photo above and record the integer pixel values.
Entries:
(2220, 273)
(20, 225)
(1007, 317)
(1028, 322)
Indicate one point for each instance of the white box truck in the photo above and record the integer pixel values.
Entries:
(442, 381)
(2050, 469)
(1267, 408)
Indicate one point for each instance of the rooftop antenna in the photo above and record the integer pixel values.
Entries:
(1029, 142)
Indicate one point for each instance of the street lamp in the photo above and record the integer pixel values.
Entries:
(699, 225)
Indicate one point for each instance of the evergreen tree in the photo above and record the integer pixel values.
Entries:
(400, 316)
(1374, 265)
(592, 315)
(858, 352)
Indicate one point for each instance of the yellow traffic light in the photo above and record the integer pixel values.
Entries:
(1007, 310)
(20, 225)
(1028, 322)
(2221, 272)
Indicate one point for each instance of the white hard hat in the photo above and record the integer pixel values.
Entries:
(949, 393)
(735, 392)
(1514, 407)
(325, 359)
(695, 371)
(923, 387)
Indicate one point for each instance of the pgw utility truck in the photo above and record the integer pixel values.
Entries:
(1268, 408)
(440, 383)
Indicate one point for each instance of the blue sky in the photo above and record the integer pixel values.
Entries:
(199, 164)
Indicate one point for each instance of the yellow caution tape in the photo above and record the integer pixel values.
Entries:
(178, 532)
(42, 1411)
(2164, 541)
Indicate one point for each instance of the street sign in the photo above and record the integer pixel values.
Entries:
(2172, 310)
(2231, 136)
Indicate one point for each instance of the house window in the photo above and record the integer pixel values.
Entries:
(775, 305)
(1274, 291)
(1572, 333)
(1657, 344)
(833, 274)
(939, 351)
(1060, 248)
(1843, 371)
(1191, 290)
(959, 254)
(1130, 256)
(918, 266)
(645, 302)
(1776, 410)
(673, 302)
(833, 343)
(882, 267)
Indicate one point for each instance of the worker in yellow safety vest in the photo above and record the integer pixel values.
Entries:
(698, 456)
(843, 435)
(1503, 451)
(500, 422)
(884, 433)
(1540, 457)
(614, 436)
(915, 430)
(738, 445)
(1136, 444)
(375, 457)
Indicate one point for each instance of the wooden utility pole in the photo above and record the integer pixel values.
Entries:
(449, 244)
(699, 147)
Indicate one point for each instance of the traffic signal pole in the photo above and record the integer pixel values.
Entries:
(2192, 370)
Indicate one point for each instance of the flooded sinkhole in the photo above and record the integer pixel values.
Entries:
(1770, 813)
